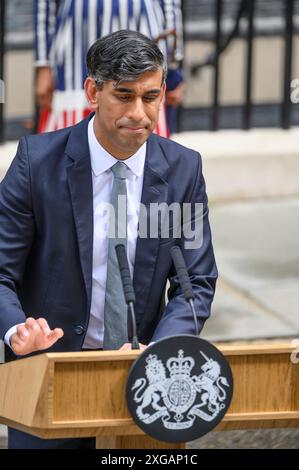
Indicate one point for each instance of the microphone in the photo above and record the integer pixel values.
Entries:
(184, 280)
(128, 291)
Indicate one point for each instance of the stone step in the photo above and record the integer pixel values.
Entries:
(252, 164)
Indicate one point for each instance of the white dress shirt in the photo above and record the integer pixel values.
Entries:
(102, 180)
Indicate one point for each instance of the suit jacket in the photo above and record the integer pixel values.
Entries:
(46, 238)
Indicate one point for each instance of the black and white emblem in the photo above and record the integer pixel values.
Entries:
(179, 388)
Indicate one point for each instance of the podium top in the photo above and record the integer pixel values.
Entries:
(101, 356)
(228, 349)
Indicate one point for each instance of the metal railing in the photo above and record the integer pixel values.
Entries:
(2, 26)
(247, 9)
(289, 34)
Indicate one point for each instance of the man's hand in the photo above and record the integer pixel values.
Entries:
(175, 97)
(44, 87)
(34, 335)
(128, 346)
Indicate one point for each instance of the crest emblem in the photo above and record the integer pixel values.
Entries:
(181, 391)
(172, 397)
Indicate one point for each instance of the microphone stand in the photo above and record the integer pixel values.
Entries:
(184, 280)
(128, 291)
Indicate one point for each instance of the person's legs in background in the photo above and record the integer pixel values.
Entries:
(174, 97)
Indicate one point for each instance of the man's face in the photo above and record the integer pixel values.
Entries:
(127, 113)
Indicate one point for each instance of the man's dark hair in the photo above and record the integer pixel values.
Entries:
(123, 56)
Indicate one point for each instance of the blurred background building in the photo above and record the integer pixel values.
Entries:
(253, 68)
(241, 60)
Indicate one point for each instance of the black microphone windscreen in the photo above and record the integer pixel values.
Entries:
(125, 273)
(182, 272)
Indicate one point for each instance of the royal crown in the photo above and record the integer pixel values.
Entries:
(151, 359)
(180, 365)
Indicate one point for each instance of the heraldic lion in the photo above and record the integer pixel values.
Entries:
(156, 389)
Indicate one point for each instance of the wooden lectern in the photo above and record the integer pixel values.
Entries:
(82, 394)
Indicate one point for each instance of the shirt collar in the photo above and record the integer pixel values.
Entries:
(101, 160)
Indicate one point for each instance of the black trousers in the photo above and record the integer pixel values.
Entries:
(22, 440)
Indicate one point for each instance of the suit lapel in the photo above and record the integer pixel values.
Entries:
(155, 190)
(81, 192)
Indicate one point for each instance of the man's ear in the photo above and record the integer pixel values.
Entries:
(163, 91)
(91, 92)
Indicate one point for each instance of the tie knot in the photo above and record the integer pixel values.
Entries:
(119, 170)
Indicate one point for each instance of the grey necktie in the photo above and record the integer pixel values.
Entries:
(115, 311)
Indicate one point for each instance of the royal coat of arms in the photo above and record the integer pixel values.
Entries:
(171, 393)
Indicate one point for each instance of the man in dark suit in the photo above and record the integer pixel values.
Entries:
(58, 285)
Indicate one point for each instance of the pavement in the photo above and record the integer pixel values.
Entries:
(249, 439)
(257, 252)
(7, 153)
(245, 439)
(253, 187)
(3, 437)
